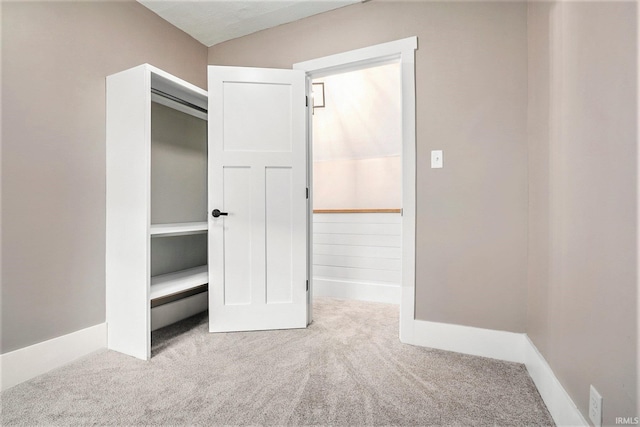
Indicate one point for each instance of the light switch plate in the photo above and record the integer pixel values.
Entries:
(436, 159)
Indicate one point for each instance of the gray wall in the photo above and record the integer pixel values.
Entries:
(582, 290)
(55, 57)
(471, 69)
(178, 166)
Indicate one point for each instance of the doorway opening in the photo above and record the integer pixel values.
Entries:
(357, 184)
(401, 52)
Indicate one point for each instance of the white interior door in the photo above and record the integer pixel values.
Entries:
(258, 181)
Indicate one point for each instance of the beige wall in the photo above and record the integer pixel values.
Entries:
(582, 291)
(55, 57)
(471, 102)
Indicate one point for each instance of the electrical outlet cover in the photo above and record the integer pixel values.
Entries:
(595, 407)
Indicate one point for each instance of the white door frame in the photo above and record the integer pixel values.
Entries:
(402, 51)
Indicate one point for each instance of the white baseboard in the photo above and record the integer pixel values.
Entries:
(558, 401)
(175, 311)
(29, 362)
(501, 345)
(508, 346)
(344, 289)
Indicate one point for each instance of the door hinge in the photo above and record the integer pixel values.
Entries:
(307, 286)
(306, 101)
(307, 192)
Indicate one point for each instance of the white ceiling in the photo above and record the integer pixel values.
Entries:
(214, 21)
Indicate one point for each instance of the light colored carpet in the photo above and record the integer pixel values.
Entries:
(347, 368)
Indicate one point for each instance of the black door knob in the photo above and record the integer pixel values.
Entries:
(216, 213)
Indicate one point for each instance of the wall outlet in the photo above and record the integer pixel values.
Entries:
(595, 407)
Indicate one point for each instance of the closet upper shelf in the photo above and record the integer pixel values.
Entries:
(177, 94)
(173, 283)
(178, 229)
(178, 88)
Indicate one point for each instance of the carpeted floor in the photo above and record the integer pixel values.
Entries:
(347, 368)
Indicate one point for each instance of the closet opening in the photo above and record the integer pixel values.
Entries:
(178, 259)
(356, 145)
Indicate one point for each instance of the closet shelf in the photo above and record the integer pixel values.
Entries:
(178, 229)
(173, 283)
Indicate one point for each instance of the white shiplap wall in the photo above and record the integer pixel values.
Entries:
(357, 256)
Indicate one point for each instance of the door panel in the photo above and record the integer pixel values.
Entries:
(237, 235)
(257, 175)
(279, 228)
(257, 117)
